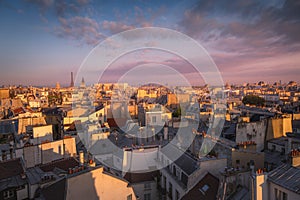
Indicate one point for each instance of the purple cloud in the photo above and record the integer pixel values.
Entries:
(115, 27)
(83, 29)
(247, 35)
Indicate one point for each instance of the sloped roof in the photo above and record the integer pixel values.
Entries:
(116, 122)
(104, 146)
(185, 162)
(206, 189)
(231, 129)
(286, 176)
(18, 110)
(55, 191)
(11, 168)
(141, 177)
(63, 164)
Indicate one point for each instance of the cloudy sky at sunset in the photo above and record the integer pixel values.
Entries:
(42, 41)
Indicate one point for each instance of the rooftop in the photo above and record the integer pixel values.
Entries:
(55, 191)
(185, 161)
(141, 177)
(206, 188)
(286, 176)
(11, 168)
(282, 141)
(63, 164)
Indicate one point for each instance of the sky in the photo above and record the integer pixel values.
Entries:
(42, 41)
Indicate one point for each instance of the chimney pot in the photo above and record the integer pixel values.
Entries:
(81, 157)
(295, 158)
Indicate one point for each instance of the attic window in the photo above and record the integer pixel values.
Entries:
(204, 188)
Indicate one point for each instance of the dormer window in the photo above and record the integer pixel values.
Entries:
(204, 189)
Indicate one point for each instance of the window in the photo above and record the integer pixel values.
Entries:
(166, 118)
(284, 196)
(154, 119)
(59, 149)
(147, 196)
(177, 195)
(170, 190)
(164, 182)
(184, 179)
(147, 186)
(279, 195)
(237, 162)
(276, 194)
(169, 166)
(129, 197)
(64, 148)
(174, 170)
(20, 187)
(205, 188)
(8, 194)
(178, 174)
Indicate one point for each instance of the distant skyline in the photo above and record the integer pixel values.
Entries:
(43, 41)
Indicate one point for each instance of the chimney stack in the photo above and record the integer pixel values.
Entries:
(81, 157)
(166, 131)
(295, 158)
(92, 163)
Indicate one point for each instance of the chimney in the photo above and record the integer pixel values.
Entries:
(81, 157)
(166, 131)
(248, 145)
(92, 163)
(295, 158)
(258, 189)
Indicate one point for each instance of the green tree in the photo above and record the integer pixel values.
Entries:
(177, 113)
(253, 100)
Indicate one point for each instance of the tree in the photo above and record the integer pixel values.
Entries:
(253, 100)
(177, 113)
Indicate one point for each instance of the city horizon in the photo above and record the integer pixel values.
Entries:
(67, 85)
